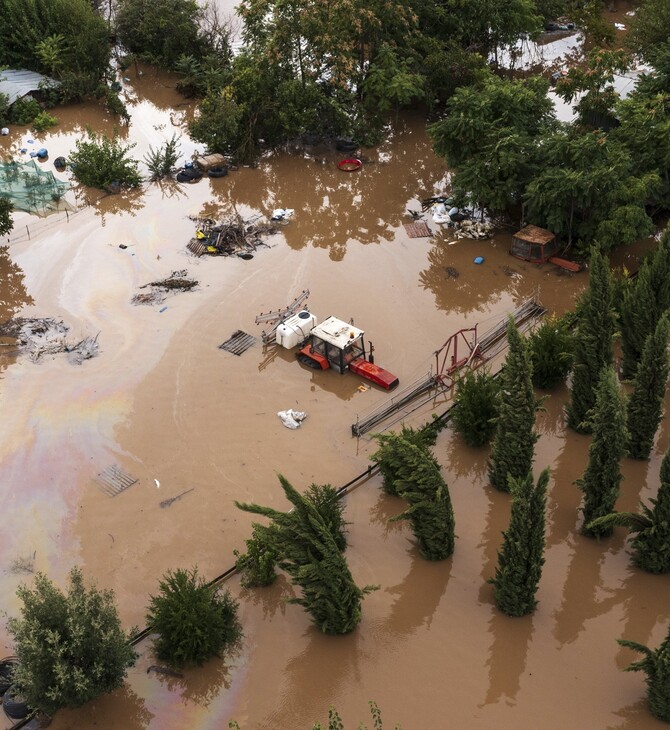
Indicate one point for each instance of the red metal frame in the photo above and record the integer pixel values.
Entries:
(447, 360)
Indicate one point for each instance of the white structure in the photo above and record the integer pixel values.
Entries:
(19, 83)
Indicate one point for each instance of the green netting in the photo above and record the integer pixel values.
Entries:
(32, 189)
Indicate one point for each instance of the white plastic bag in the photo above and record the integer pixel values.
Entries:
(280, 214)
(292, 419)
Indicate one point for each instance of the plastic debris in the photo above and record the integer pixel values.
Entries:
(440, 214)
(4, 131)
(292, 419)
(620, 26)
(162, 310)
(479, 259)
(280, 214)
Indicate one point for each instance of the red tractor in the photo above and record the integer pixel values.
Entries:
(332, 344)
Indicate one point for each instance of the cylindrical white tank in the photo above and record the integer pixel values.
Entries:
(295, 329)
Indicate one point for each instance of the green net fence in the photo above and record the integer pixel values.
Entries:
(32, 189)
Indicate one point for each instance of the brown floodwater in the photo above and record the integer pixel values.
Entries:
(164, 403)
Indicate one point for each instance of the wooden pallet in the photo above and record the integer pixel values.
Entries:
(238, 342)
(417, 230)
(197, 248)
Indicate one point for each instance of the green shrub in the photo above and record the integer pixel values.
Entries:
(101, 161)
(551, 353)
(194, 620)
(162, 161)
(257, 565)
(476, 407)
(44, 121)
(24, 111)
(388, 458)
(71, 646)
(6, 222)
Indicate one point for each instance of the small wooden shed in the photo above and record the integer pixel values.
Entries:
(534, 244)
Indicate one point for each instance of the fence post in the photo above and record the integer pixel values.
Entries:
(28, 232)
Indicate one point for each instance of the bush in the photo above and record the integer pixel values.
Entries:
(194, 620)
(70, 646)
(391, 447)
(25, 111)
(44, 121)
(551, 353)
(161, 161)
(257, 565)
(6, 222)
(476, 407)
(100, 161)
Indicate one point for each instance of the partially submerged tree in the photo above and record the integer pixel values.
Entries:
(389, 454)
(602, 477)
(6, 222)
(70, 645)
(593, 342)
(257, 564)
(550, 353)
(194, 620)
(309, 553)
(419, 481)
(476, 407)
(521, 557)
(651, 527)
(646, 402)
(656, 666)
(638, 316)
(515, 435)
(162, 160)
(102, 161)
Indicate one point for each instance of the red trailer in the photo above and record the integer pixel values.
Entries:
(539, 246)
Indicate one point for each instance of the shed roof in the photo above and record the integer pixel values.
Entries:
(16, 83)
(534, 234)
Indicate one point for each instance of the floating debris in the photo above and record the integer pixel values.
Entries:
(452, 272)
(231, 237)
(23, 565)
(177, 281)
(169, 502)
(164, 670)
(477, 230)
(48, 336)
(113, 480)
(238, 342)
(417, 230)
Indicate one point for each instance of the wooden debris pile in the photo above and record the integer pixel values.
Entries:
(474, 229)
(158, 290)
(231, 237)
(46, 336)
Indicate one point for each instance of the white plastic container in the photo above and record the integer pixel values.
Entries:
(295, 329)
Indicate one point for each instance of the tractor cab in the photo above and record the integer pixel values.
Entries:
(333, 344)
(338, 345)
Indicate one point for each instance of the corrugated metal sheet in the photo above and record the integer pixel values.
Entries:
(17, 83)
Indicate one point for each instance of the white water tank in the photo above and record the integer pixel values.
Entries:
(295, 329)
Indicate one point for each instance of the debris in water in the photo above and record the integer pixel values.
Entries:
(281, 214)
(292, 419)
(23, 565)
(177, 281)
(230, 237)
(168, 502)
(113, 480)
(157, 483)
(164, 670)
(47, 336)
(452, 272)
(474, 229)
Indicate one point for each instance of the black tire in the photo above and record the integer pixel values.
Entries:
(6, 669)
(217, 171)
(306, 360)
(184, 177)
(245, 256)
(60, 163)
(14, 707)
(345, 144)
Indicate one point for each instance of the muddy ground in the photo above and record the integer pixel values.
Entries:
(166, 405)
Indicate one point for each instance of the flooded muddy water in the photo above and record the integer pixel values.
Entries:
(166, 405)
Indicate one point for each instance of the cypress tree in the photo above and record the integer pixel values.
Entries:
(307, 550)
(514, 440)
(550, 353)
(602, 477)
(660, 274)
(651, 543)
(656, 665)
(592, 342)
(387, 455)
(476, 407)
(419, 481)
(257, 564)
(521, 557)
(638, 317)
(646, 402)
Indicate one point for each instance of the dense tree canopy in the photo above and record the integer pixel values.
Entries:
(65, 39)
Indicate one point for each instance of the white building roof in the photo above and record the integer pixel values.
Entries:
(336, 332)
(17, 83)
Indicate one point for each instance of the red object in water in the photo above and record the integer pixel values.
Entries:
(308, 352)
(372, 372)
(350, 165)
(565, 264)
